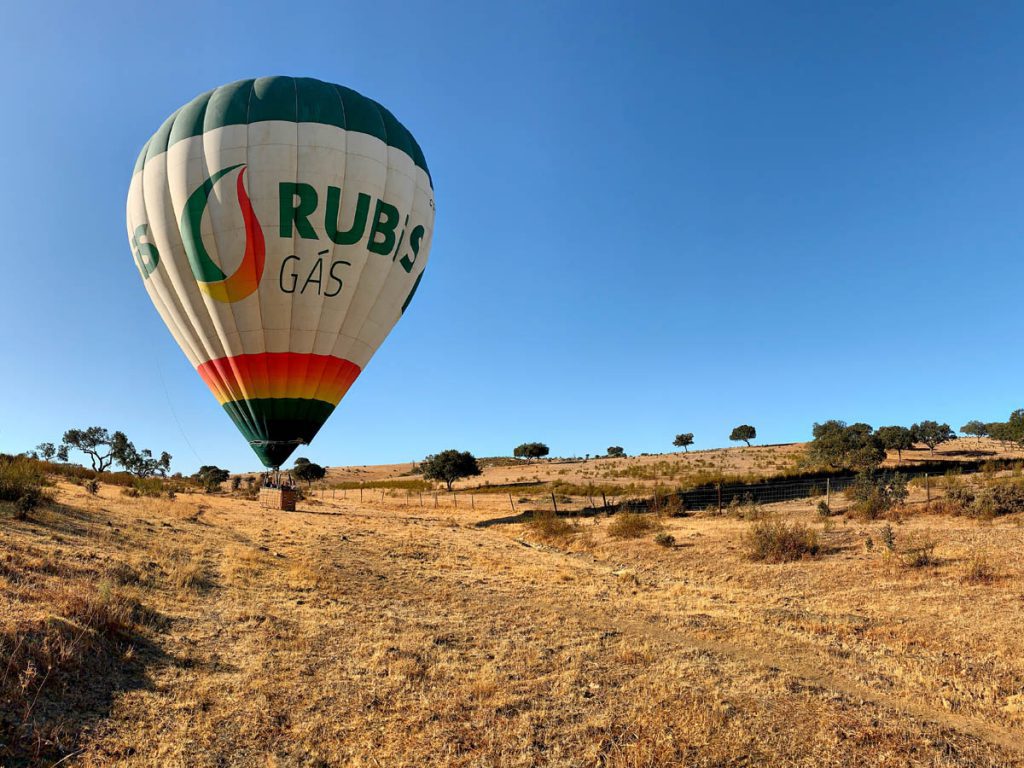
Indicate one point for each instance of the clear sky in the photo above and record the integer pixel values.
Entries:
(652, 218)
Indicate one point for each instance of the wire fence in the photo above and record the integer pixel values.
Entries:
(775, 491)
(537, 496)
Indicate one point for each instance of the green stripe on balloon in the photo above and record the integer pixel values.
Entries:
(289, 99)
(272, 425)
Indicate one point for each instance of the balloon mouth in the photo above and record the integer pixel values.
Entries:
(274, 453)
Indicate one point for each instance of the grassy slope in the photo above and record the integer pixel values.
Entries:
(386, 634)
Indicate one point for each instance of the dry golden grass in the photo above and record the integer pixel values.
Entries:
(144, 632)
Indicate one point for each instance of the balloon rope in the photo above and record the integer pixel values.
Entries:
(177, 421)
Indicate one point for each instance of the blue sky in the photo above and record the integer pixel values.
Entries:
(652, 218)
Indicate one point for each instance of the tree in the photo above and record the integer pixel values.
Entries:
(840, 445)
(96, 443)
(139, 463)
(531, 451)
(448, 466)
(684, 441)
(1001, 431)
(931, 433)
(46, 451)
(743, 432)
(211, 476)
(305, 469)
(976, 429)
(897, 439)
(616, 451)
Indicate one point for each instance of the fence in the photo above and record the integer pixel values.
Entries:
(709, 496)
(774, 491)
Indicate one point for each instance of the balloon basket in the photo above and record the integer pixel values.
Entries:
(278, 498)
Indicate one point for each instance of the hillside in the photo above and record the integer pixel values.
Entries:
(206, 631)
(642, 474)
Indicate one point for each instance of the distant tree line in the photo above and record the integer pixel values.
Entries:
(859, 446)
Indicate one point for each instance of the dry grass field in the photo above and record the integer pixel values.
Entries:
(205, 631)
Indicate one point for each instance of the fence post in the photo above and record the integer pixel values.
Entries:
(472, 501)
(360, 493)
(554, 503)
(828, 491)
(381, 495)
(511, 504)
(928, 487)
(719, 498)
(455, 500)
(421, 498)
(604, 501)
(435, 501)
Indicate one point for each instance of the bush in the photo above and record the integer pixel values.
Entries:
(876, 495)
(19, 477)
(549, 525)
(824, 509)
(998, 500)
(131, 492)
(92, 486)
(920, 555)
(986, 502)
(778, 542)
(666, 540)
(631, 525)
(979, 571)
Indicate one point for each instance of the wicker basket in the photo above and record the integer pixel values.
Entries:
(278, 498)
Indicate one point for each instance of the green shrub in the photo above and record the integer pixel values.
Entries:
(998, 500)
(876, 495)
(993, 499)
(778, 542)
(824, 509)
(666, 540)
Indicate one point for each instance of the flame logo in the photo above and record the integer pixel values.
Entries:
(211, 278)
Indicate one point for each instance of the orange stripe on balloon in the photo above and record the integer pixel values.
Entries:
(279, 374)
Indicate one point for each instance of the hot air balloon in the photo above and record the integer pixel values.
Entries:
(281, 227)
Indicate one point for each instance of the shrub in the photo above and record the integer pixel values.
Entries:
(992, 500)
(824, 509)
(876, 495)
(979, 571)
(778, 542)
(131, 492)
(19, 476)
(549, 525)
(33, 498)
(149, 486)
(888, 537)
(92, 486)
(920, 555)
(666, 540)
(998, 500)
(631, 525)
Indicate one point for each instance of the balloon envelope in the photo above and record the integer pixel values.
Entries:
(281, 227)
